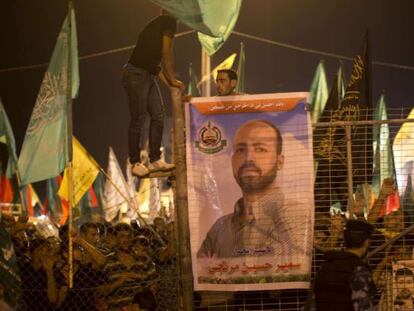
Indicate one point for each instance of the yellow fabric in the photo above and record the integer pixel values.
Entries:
(85, 170)
(225, 64)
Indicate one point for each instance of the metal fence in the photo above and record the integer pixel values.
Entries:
(140, 270)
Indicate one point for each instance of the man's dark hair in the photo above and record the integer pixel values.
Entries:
(404, 272)
(122, 227)
(88, 225)
(110, 230)
(230, 73)
(37, 243)
(357, 232)
(145, 300)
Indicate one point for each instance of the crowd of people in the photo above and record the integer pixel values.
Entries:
(115, 267)
(387, 229)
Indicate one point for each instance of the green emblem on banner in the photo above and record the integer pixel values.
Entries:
(210, 139)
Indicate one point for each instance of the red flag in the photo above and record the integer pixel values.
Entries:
(6, 190)
(28, 199)
(392, 203)
(93, 199)
(64, 204)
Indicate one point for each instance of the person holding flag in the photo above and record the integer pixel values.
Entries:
(153, 49)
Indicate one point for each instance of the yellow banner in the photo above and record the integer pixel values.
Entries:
(85, 170)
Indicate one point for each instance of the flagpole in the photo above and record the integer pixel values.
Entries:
(19, 184)
(205, 71)
(181, 201)
(348, 136)
(69, 142)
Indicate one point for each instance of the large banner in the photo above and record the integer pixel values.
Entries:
(250, 191)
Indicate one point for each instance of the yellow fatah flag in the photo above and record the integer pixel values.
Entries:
(85, 170)
(225, 64)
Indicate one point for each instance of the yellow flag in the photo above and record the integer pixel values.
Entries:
(225, 64)
(85, 170)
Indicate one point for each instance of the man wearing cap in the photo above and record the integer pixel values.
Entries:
(344, 281)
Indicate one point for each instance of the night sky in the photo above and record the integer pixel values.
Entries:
(29, 30)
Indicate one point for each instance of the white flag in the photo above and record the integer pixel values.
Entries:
(116, 189)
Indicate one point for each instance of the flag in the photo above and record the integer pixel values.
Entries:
(6, 190)
(45, 150)
(58, 208)
(115, 201)
(7, 137)
(154, 198)
(132, 193)
(30, 198)
(193, 89)
(84, 169)
(408, 200)
(241, 70)
(382, 150)
(355, 106)
(9, 274)
(325, 197)
(99, 186)
(392, 204)
(318, 93)
(403, 149)
(226, 64)
(213, 19)
(53, 201)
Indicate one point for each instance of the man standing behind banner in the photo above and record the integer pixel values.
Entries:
(140, 81)
(261, 223)
(226, 82)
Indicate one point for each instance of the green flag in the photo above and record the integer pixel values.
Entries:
(44, 151)
(318, 93)
(240, 70)
(7, 137)
(213, 19)
(193, 90)
(382, 150)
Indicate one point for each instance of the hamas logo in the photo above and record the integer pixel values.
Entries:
(210, 139)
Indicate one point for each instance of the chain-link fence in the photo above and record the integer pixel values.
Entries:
(117, 267)
(373, 165)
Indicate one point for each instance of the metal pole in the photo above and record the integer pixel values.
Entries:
(181, 202)
(69, 142)
(205, 71)
(348, 137)
(391, 241)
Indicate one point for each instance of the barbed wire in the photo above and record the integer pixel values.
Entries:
(241, 34)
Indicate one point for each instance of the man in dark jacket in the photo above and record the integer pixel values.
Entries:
(344, 281)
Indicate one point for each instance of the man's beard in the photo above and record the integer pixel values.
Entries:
(251, 184)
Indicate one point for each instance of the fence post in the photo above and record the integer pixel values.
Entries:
(181, 202)
(348, 137)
